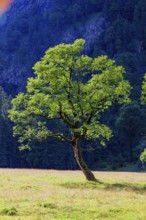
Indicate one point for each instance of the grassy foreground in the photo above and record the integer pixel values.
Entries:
(66, 195)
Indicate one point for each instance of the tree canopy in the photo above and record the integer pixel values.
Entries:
(131, 125)
(73, 89)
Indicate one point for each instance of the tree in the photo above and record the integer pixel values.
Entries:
(143, 156)
(130, 126)
(73, 89)
(143, 100)
(143, 94)
(8, 145)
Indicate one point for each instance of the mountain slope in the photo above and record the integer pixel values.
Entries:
(30, 29)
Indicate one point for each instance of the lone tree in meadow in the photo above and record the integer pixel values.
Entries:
(73, 89)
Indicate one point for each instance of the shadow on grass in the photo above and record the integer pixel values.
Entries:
(127, 186)
(106, 185)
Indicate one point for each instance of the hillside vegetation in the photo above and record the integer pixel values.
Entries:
(113, 28)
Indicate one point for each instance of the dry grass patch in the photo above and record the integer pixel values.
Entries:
(66, 195)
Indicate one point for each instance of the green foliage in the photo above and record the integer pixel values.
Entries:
(8, 146)
(60, 91)
(9, 212)
(131, 125)
(143, 100)
(143, 156)
(143, 95)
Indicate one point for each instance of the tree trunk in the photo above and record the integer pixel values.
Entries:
(78, 156)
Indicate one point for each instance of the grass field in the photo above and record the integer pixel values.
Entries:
(66, 195)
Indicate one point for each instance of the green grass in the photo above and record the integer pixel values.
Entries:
(66, 195)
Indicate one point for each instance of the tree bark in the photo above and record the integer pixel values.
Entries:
(78, 156)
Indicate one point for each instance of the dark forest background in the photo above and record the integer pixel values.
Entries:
(115, 28)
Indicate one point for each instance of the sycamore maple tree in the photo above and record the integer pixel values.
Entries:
(74, 89)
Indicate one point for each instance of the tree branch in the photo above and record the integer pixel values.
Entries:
(65, 118)
(79, 101)
(71, 103)
(60, 136)
(89, 117)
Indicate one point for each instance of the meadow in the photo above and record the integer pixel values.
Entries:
(66, 195)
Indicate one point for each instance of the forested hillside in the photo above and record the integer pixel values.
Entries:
(113, 28)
